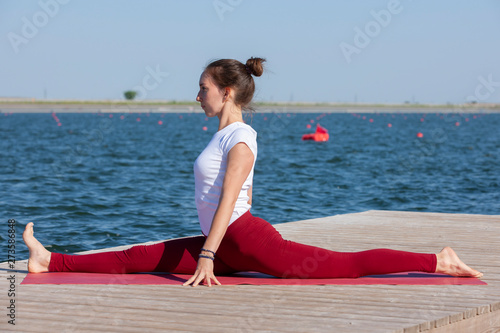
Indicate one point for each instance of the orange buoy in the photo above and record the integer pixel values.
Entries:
(320, 135)
(420, 135)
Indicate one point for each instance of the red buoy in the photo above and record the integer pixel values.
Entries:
(321, 134)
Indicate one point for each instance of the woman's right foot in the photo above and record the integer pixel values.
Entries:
(39, 259)
(449, 263)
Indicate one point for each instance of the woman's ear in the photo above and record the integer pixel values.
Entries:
(227, 92)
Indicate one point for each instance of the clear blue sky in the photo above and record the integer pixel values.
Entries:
(426, 51)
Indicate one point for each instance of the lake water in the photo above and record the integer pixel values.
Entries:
(101, 180)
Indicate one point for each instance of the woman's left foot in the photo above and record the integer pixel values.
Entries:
(449, 263)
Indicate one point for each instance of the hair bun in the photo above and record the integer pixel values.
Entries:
(255, 66)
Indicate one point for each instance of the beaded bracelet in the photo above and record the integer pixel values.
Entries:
(209, 251)
(205, 256)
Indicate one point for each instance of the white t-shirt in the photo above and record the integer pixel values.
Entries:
(210, 169)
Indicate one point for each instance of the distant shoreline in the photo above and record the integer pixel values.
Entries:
(47, 106)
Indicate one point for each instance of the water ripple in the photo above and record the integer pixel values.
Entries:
(99, 182)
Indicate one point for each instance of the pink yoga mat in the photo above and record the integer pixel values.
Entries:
(252, 278)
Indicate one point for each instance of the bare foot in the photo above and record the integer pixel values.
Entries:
(449, 263)
(39, 256)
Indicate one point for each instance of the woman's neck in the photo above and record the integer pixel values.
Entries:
(229, 114)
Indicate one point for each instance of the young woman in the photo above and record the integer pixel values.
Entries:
(223, 191)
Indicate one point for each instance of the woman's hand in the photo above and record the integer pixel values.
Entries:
(204, 272)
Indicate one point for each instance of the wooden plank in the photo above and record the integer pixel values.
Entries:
(485, 323)
(381, 308)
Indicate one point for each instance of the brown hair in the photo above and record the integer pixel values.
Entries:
(233, 74)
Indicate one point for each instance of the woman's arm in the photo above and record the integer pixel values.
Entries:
(239, 164)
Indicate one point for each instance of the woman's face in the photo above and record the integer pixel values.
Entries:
(210, 96)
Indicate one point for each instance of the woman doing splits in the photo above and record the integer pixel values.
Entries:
(233, 239)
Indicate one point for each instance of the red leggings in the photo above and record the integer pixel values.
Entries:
(250, 244)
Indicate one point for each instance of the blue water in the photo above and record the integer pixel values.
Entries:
(96, 181)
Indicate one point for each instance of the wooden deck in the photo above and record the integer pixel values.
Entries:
(370, 308)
